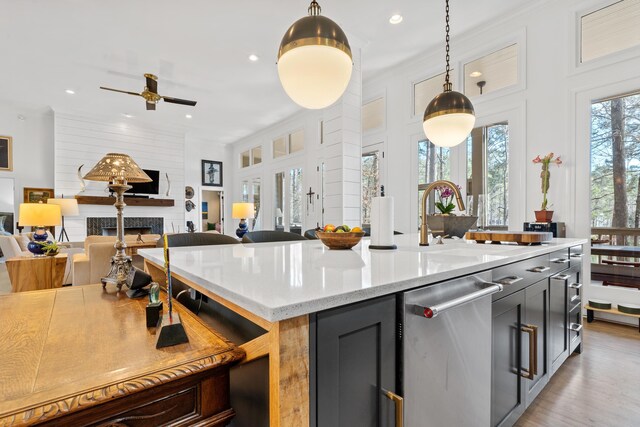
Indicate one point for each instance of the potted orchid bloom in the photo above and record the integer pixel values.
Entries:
(544, 215)
(445, 200)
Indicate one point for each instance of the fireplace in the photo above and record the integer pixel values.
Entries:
(106, 226)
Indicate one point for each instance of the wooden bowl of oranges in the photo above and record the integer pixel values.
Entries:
(341, 237)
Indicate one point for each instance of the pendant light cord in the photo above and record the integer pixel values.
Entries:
(447, 84)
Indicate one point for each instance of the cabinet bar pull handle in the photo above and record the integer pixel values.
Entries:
(560, 261)
(560, 277)
(574, 299)
(399, 404)
(432, 311)
(540, 269)
(509, 280)
(575, 285)
(575, 327)
(532, 331)
(577, 255)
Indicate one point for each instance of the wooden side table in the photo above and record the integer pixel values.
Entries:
(35, 273)
(132, 248)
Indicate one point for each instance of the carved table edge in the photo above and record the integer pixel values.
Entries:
(69, 404)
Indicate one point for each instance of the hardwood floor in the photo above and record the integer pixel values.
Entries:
(600, 387)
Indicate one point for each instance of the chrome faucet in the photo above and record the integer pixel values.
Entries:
(424, 234)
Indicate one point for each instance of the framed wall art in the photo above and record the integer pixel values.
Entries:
(6, 156)
(212, 173)
(37, 195)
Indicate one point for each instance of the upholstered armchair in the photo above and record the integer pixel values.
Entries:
(89, 267)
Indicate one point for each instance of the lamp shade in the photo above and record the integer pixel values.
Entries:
(117, 167)
(39, 214)
(68, 207)
(242, 211)
(448, 119)
(314, 60)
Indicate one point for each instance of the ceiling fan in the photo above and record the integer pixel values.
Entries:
(151, 96)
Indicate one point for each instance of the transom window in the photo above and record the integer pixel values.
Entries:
(251, 157)
(608, 30)
(288, 144)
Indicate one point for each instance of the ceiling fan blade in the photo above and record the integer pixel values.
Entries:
(121, 91)
(150, 106)
(152, 85)
(179, 101)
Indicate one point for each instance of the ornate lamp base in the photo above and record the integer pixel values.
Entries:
(121, 269)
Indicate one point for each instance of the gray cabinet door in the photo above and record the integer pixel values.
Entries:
(537, 317)
(355, 361)
(507, 391)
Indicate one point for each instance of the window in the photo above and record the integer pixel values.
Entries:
(279, 202)
(433, 165)
(425, 91)
(488, 174)
(251, 157)
(296, 141)
(373, 115)
(615, 168)
(255, 190)
(289, 199)
(370, 182)
(245, 159)
(494, 71)
(296, 200)
(610, 29)
(256, 155)
(288, 144)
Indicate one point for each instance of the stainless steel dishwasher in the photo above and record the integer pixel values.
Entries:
(446, 353)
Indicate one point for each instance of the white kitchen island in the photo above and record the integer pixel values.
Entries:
(279, 285)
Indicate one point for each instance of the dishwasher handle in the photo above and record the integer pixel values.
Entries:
(433, 311)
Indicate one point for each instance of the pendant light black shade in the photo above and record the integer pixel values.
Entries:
(314, 60)
(449, 117)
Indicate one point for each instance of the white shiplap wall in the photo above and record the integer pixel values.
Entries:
(83, 140)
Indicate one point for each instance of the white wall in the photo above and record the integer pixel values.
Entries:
(196, 150)
(32, 146)
(81, 140)
(549, 111)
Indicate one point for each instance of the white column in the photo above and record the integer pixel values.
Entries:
(343, 151)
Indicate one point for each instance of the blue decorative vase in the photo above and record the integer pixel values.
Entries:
(242, 228)
(39, 238)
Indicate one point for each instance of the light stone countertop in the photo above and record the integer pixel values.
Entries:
(282, 280)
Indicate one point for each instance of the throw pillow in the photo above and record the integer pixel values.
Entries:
(2, 220)
(210, 226)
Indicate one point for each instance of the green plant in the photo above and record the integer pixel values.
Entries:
(49, 247)
(545, 175)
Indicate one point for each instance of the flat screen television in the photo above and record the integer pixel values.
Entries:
(146, 187)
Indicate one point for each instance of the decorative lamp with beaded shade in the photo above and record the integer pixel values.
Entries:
(118, 170)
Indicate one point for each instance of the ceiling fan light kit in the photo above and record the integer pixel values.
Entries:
(449, 117)
(314, 60)
(151, 95)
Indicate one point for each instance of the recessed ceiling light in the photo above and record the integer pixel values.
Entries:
(128, 116)
(188, 116)
(395, 19)
(475, 74)
(253, 57)
(70, 92)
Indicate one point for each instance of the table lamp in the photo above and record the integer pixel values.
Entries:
(68, 207)
(38, 215)
(118, 170)
(242, 211)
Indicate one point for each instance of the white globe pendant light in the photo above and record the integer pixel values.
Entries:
(449, 117)
(314, 60)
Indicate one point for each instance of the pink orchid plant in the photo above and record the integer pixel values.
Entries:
(445, 199)
(545, 175)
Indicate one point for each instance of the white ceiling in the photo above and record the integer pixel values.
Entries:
(199, 49)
